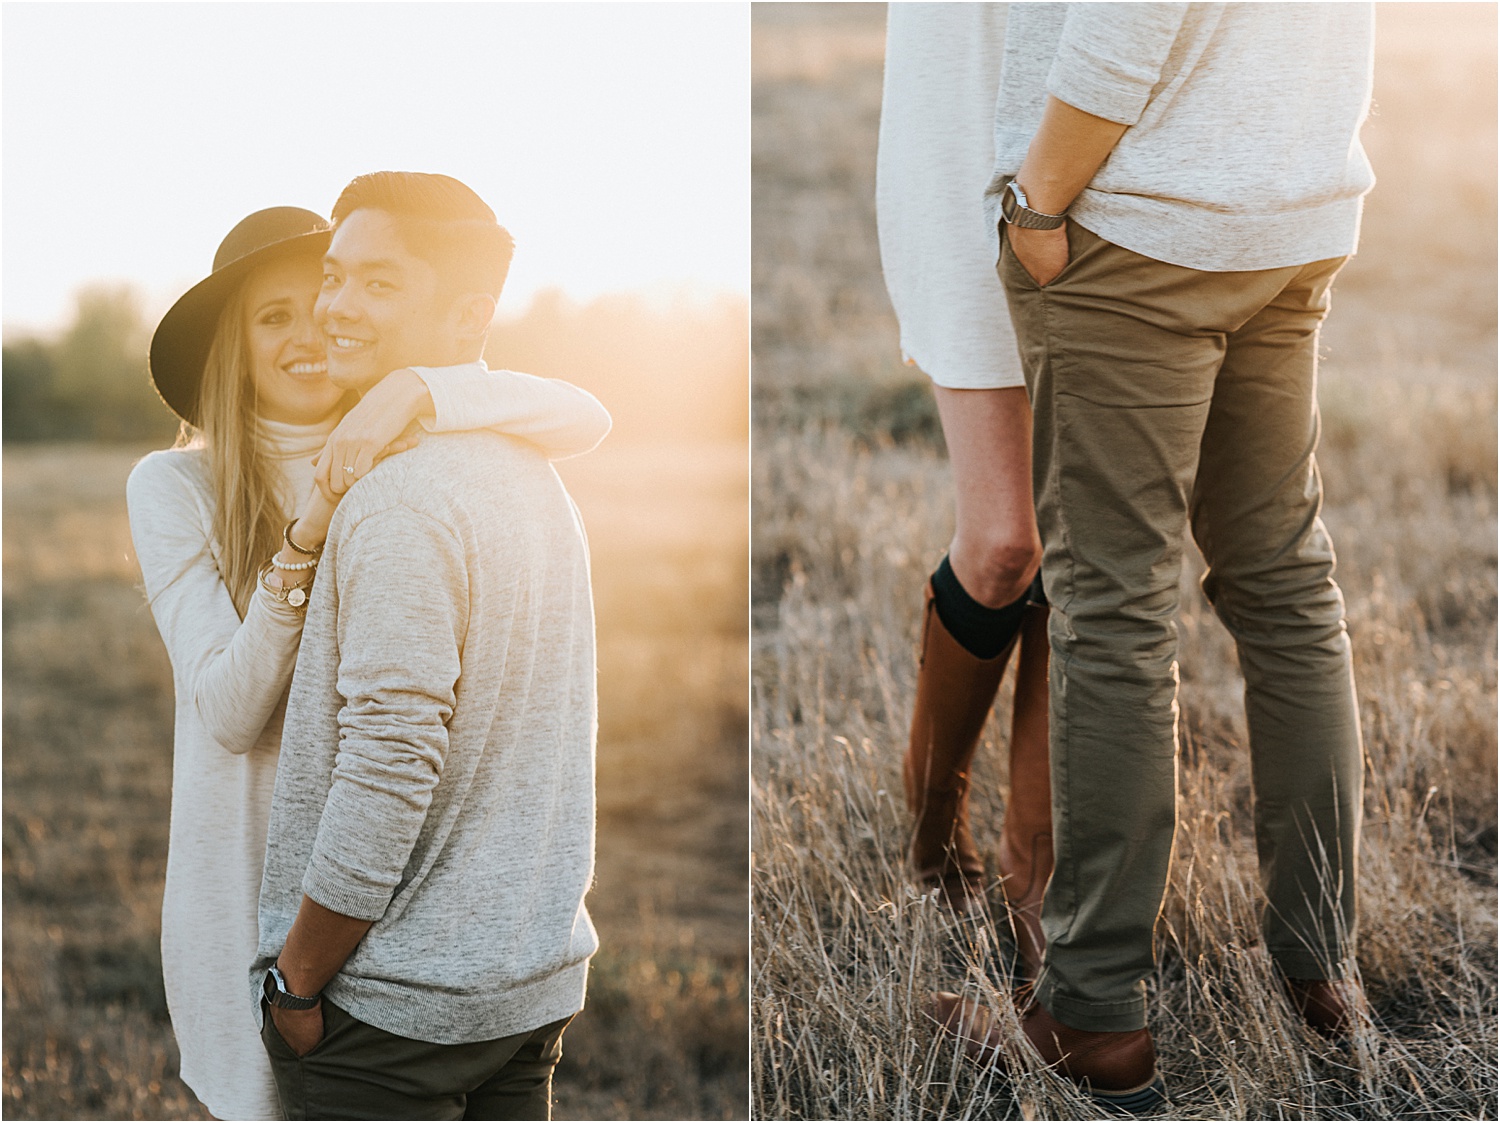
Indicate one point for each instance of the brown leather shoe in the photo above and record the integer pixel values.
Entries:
(1025, 854)
(954, 693)
(1328, 1006)
(1117, 1070)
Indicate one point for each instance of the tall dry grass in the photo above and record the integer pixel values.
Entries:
(852, 509)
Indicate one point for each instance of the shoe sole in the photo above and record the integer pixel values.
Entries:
(1138, 1101)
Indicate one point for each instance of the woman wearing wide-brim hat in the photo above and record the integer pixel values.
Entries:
(228, 527)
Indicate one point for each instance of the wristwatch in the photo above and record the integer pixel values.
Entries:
(277, 994)
(1014, 210)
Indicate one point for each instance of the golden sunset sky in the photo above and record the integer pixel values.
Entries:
(612, 139)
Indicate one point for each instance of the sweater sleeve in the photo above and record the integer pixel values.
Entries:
(234, 671)
(561, 419)
(402, 619)
(1110, 57)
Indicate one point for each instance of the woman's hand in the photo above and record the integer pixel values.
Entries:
(372, 430)
(300, 1029)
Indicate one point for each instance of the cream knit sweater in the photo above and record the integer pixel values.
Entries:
(437, 764)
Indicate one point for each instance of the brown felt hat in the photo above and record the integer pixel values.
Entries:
(179, 349)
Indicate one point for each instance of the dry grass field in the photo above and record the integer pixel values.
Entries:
(851, 509)
(87, 770)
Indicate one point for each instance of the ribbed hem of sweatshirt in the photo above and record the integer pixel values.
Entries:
(1214, 242)
(446, 1018)
(1199, 238)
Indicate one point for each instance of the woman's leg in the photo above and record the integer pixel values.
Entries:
(995, 550)
(994, 556)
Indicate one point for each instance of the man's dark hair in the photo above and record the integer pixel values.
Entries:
(441, 221)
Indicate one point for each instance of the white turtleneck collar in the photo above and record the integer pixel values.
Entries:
(293, 447)
(287, 441)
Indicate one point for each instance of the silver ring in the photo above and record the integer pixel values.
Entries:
(349, 469)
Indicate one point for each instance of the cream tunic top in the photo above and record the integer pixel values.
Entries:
(937, 151)
(231, 678)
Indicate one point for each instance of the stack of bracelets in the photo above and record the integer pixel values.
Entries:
(294, 596)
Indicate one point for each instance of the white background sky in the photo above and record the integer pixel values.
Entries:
(612, 139)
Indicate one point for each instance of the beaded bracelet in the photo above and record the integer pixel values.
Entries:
(279, 564)
(286, 536)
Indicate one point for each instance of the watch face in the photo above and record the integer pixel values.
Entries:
(1008, 203)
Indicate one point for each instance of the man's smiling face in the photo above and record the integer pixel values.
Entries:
(381, 306)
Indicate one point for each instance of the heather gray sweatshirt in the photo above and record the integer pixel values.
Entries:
(437, 759)
(1243, 148)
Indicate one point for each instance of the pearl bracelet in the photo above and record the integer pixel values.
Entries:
(294, 565)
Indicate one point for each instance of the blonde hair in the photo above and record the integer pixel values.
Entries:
(247, 517)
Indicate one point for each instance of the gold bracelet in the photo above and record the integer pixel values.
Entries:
(286, 536)
(293, 596)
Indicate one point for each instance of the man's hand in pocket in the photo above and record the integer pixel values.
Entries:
(1042, 253)
(300, 1029)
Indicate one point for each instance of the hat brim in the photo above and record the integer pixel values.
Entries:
(181, 342)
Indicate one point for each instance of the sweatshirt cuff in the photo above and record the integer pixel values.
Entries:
(335, 889)
(1078, 81)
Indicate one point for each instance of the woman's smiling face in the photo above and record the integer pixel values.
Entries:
(286, 350)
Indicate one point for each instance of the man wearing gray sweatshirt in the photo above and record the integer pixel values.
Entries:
(423, 936)
(1177, 185)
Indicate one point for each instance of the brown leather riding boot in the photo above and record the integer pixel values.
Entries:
(954, 693)
(1025, 855)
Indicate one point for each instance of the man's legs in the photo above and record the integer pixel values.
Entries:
(1121, 353)
(1270, 578)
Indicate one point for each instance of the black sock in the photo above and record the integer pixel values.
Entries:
(1035, 594)
(981, 631)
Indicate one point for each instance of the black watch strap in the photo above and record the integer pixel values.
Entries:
(277, 994)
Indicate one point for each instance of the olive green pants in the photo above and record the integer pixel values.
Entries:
(1165, 397)
(358, 1071)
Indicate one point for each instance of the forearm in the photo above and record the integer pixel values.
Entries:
(236, 688)
(559, 418)
(318, 945)
(1068, 148)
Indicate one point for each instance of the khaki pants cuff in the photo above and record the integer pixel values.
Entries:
(1098, 1017)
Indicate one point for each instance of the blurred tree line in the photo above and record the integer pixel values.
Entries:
(89, 382)
(668, 369)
